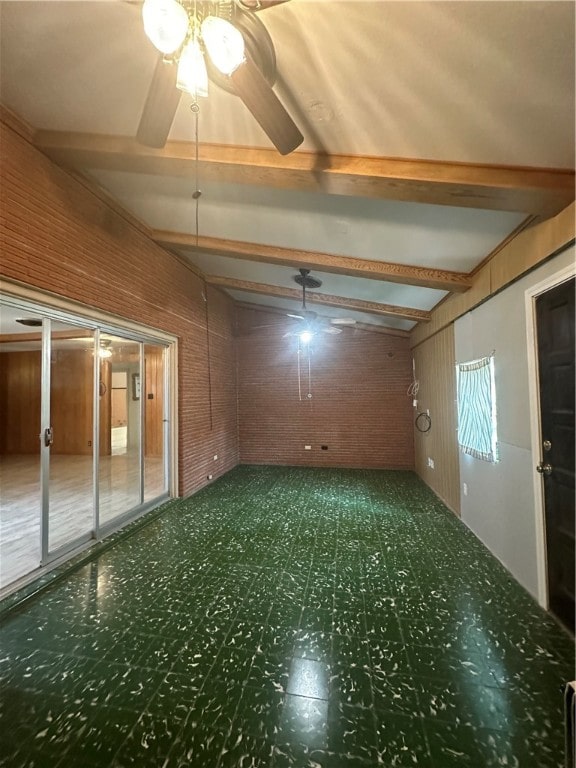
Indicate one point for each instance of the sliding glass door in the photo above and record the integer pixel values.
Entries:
(84, 433)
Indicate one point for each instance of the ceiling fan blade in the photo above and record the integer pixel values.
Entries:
(295, 317)
(253, 328)
(160, 106)
(266, 107)
(332, 329)
(342, 321)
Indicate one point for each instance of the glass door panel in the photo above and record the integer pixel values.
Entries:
(71, 486)
(119, 481)
(20, 401)
(155, 481)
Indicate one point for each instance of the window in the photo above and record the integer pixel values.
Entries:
(477, 408)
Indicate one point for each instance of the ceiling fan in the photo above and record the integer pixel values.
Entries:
(220, 40)
(311, 322)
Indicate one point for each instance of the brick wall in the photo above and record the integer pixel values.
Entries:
(359, 407)
(56, 235)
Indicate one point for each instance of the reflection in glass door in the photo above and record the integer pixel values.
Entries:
(119, 483)
(84, 433)
(70, 435)
(20, 389)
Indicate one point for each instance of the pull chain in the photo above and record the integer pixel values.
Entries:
(195, 107)
(197, 194)
(309, 375)
(299, 375)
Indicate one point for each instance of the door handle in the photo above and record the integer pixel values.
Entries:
(544, 469)
(48, 437)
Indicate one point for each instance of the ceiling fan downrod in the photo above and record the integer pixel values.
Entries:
(305, 281)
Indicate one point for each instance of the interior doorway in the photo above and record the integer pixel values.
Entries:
(119, 413)
(555, 321)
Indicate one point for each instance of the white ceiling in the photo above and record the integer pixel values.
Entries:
(469, 82)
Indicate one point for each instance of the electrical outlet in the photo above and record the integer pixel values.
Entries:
(307, 447)
(216, 457)
(430, 462)
(208, 477)
(465, 489)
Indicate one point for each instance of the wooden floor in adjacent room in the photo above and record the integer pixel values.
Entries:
(71, 502)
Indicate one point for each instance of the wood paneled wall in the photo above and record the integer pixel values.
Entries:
(56, 234)
(359, 407)
(71, 401)
(20, 416)
(433, 347)
(435, 370)
(153, 394)
(71, 388)
(105, 407)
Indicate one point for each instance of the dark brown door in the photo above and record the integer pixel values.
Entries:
(555, 321)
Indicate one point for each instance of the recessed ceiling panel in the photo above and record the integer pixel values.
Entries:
(436, 236)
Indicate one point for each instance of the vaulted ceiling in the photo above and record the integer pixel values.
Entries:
(433, 133)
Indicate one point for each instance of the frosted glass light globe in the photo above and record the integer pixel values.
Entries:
(165, 23)
(224, 44)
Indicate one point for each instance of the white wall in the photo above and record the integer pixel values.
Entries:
(501, 507)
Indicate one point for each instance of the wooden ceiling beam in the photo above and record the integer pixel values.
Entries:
(326, 262)
(324, 299)
(540, 191)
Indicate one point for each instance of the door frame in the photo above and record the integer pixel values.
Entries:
(530, 296)
(45, 422)
(48, 556)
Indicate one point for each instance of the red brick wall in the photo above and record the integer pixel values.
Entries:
(56, 235)
(359, 406)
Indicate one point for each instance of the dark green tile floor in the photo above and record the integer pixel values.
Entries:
(287, 617)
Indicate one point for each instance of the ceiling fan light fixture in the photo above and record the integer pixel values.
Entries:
(192, 74)
(224, 43)
(165, 23)
(306, 337)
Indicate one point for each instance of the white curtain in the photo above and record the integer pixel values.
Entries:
(477, 408)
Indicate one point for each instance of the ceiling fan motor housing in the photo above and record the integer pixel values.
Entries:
(306, 281)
